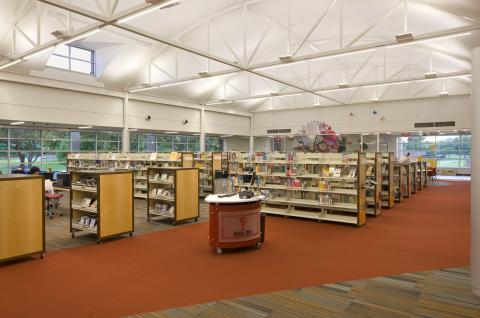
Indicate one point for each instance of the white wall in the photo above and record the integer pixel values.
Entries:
(36, 103)
(24, 102)
(221, 123)
(399, 115)
(163, 117)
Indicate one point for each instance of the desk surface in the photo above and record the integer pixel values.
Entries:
(213, 198)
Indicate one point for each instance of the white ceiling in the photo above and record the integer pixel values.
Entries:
(245, 34)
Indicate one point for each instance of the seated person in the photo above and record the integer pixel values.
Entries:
(48, 183)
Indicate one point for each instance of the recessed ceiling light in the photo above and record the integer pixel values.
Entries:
(17, 123)
(443, 94)
(170, 132)
(132, 129)
(343, 85)
(85, 127)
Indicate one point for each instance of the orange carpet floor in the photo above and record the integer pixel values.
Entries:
(177, 268)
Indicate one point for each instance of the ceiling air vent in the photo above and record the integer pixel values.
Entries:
(424, 125)
(279, 131)
(445, 124)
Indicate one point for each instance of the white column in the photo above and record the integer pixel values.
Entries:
(202, 129)
(125, 132)
(361, 142)
(378, 142)
(252, 139)
(475, 199)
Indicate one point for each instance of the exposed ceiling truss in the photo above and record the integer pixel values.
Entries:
(244, 62)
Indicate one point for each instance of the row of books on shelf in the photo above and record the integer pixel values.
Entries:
(162, 177)
(89, 222)
(320, 198)
(162, 209)
(161, 192)
(134, 156)
(88, 202)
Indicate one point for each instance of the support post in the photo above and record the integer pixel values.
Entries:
(251, 144)
(202, 129)
(475, 199)
(125, 131)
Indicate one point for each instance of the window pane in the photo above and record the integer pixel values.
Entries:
(107, 146)
(58, 61)
(180, 139)
(4, 162)
(87, 146)
(79, 66)
(163, 147)
(3, 144)
(55, 134)
(24, 160)
(25, 133)
(3, 132)
(55, 161)
(81, 54)
(108, 135)
(25, 144)
(56, 145)
(180, 147)
(61, 49)
(166, 139)
(88, 136)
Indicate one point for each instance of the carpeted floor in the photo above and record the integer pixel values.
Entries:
(177, 268)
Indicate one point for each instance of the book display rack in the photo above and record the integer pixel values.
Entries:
(374, 183)
(400, 179)
(101, 203)
(325, 187)
(173, 194)
(388, 185)
(22, 221)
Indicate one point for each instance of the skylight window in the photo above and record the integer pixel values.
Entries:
(72, 58)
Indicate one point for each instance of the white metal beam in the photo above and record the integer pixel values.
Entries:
(373, 25)
(322, 17)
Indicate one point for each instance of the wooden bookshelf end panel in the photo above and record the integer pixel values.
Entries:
(21, 217)
(116, 204)
(187, 195)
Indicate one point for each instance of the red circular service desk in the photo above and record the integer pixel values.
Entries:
(235, 222)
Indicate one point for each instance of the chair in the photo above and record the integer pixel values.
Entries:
(432, 169)
(52, 201)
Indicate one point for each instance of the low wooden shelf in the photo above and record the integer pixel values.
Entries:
(182, 201)
(113, 193)
(22, 220)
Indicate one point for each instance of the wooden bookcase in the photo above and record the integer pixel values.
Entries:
(424, 174)
(400, 181)
(22, 216)
(374, 189)
(173, 194)
(325, 187)
(187, 159)
(218, 164)
(203, 162)
(107, 197)
(410, 179)
(388, 175)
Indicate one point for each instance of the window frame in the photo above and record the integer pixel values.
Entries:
(69, 58)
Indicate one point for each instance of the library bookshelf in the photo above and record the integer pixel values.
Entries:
(325, 187)
(22, 221)
(388, 184)
(101, 203)
(374, 183)
(173, 194)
